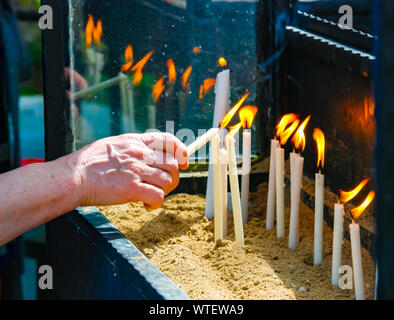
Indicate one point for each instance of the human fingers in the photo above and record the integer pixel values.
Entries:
(150, 195)
(168, 143)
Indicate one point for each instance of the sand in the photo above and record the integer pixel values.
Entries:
(178, 239)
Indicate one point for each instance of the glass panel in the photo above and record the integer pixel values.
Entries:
(122, 53)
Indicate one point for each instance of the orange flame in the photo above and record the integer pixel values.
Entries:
(98, 32)
(89, 31)
(246, 115)
(346, 196)
(299, 136)
(139, 66)
(284, 122)
(207, 84)
(356, 212)
(196, 50)
(281, 132)
(158, 88)
(128, 55)
(318, 136)
(227, 118)
(222, 62)
(185, 78)
(171, 71)
(232, 130)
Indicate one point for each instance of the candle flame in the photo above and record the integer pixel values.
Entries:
(318, 136)
(185, 78)
(282, 133)
(206, 86)
(232, 130)
(171, 71)
(158, 88)
(299, 136)
(346, 196)
(222, 62)
(227, 118)
(196, 50)
(92, 32)
(284, 122)
(137, 69)
(246, 115)
(98, 32)
(89, 31)
(128, 55)
(356, 212)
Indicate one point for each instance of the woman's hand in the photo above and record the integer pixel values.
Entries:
(128, 168)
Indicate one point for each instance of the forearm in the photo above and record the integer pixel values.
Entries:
(35, 194)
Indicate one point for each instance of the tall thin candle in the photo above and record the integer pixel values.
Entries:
(223, 166)
(235, 197)
(222, 95)
(318, 136)
(296, 184)
(337, 242)
(246, 115)
(284, 133)
(270, 218)
(217, 190)
(356, 247)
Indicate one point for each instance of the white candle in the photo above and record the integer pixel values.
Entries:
(280, 198)
(235, 197)
(123, 100)
(337, 242)
(199, 142)
(98, 66)
(217, 187)
(151, 115)
(223, 173)
(319, 216)
(293, 155)
(246, 166)
(295, 201)
(222, 95)
(356, 260)
(271, 187)
(130, 101)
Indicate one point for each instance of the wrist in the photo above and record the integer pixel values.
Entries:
(74, 177)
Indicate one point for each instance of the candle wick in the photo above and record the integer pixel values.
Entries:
(319, 171)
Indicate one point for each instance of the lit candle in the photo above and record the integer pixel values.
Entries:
(280, 197)
(246, 165)
(296, 184)
(217, 187)
(95, 59)
(295, 203)
(246, 115)
(223, 173)
(345, 196)
(271, 187)
(286, 126)
(318, 136)
(222, 95)
(235, 196)
(356, 247)
(337, 242)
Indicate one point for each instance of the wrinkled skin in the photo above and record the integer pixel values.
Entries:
(130, 167)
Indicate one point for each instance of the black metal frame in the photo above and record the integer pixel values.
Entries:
(384, 74)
